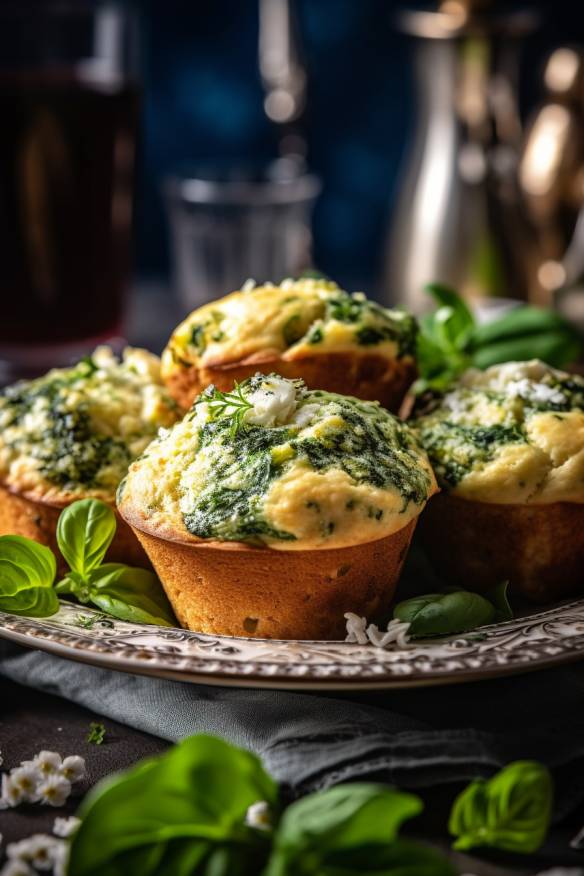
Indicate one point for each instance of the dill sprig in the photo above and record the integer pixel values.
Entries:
(227, 404)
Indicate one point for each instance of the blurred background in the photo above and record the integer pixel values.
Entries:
(176, 148)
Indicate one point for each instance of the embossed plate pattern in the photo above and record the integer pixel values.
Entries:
(533, 642)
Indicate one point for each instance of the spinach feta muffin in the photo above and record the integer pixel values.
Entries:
(507, 446)
(310, 329)
(274, 509)
(72, 434)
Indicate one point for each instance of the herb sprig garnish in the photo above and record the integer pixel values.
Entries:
(226, 404)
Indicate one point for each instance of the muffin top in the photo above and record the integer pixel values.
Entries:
(511, 434)
(274, 463)
(74, 431)
(292, 320)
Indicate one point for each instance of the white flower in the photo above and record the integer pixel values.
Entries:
(39, 850)
(356, 628)
(26, 779)
(54, 790)
(73, 768)
(259, 816)
(46, 761)
(396, 633)
(61, 858)
(12, 793)
(358, 631)
(66, 827)
(17, 868)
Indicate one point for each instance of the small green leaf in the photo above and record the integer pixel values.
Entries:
(130, 594)
(511, 811)
(460, 318)
(441, 614)
(96, 733)
(497, 596)
(84, 533)
(181, 813)
(320, 829)
(27, 573)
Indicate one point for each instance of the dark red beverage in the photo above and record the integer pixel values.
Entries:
(66, 167)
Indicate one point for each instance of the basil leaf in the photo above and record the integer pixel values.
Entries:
(27, 573)
(130, 594)
(511, 811)
(74, 585)
(456, 315)
(181, 813)
(320, 829)
(440, 614)
(557, 348)
(398, 858)
(84, 533)
(497, 596)
(517, 322)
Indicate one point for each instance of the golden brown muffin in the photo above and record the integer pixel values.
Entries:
(272, 510)
(71, 435)
(507, 446)
(305, 328)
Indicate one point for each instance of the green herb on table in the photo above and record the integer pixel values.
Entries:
(442, 614)
(450, 340)
(84, 533)
(184, 812)
(511, 811)
(351, 829)
(96, 733)
(27, 574)
(202, 808)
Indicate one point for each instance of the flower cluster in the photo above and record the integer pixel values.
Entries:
(360, 632)
(41, 852)
(47, 779)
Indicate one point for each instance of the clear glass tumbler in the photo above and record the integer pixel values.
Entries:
(227, 227)
(69, 104)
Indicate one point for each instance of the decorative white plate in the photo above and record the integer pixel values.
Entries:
(533, 642)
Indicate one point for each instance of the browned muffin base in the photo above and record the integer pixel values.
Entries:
(539, 549)
(232, 589)
(370, 376)
(38, 521)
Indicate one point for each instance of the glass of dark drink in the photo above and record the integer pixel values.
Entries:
(69, 101)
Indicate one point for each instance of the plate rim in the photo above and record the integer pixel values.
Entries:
(527, 654)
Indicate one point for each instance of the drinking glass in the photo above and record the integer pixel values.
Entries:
(69, 101)
(231, 225)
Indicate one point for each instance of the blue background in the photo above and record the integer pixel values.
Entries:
(203, 101)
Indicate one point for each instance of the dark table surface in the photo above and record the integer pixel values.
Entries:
(31, 722)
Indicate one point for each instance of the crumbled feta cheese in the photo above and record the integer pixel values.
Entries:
(358, 631)
(273, 403)
(540, 393)
(248, 285)
(304, 415)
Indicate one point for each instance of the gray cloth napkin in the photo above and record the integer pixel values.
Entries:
(423, 738)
